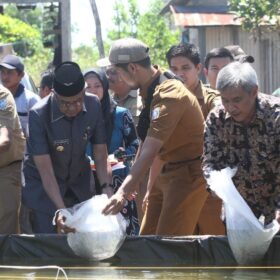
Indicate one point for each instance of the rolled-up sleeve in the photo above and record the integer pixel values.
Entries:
(7, 110)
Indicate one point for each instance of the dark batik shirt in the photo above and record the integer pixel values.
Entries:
(253, 149)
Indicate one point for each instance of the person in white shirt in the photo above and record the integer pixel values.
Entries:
(12, 71)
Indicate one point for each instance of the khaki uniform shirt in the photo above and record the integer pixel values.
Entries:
(207, 98)
(133, 103)
(9, 119)
(176, 119)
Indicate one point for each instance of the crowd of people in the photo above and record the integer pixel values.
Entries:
(167, 127)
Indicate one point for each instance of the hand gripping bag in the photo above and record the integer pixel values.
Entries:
(248, 238)
(97, 236)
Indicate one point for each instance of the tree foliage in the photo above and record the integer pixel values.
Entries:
(257, 13)
(33, 17)
(150, 27)
(27, 43)
(126, 19)
(25, 38)
(86, 56)
(156, 31)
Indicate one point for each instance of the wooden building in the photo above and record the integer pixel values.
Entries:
(209, 24)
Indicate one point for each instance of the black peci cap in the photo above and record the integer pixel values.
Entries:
(68, 79)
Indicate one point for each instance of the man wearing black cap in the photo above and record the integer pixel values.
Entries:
(57, 171)
(12, 71)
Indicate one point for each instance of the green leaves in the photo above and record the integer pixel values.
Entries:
(257, 13)
(26, 39)
(151, 28)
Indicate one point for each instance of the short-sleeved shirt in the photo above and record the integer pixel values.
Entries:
(254, 149)
(65, 140)
(176, 120)
(9, 119)
(133, 103)
(25, 99)
(207, 98)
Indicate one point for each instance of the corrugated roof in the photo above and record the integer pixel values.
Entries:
(204, 19)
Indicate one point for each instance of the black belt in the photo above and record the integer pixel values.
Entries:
(23, 114)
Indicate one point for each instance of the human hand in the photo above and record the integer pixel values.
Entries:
(115, 205)
(120, 154)
(132, 196)
(60, 224)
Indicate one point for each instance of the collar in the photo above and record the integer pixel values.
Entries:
(198, 91)
(19, 91)
(56, 114)
(132, 93)
(144, 90)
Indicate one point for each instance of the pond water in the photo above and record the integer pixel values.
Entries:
(103, 272)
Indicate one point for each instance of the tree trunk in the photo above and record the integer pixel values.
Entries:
(98, 31)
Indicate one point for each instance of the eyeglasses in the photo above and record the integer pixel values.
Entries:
(66, 105)
(111, 72)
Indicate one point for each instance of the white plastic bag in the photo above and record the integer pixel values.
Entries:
(248, 238)
(97, 236)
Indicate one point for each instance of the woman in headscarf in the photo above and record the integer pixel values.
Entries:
(121, 134)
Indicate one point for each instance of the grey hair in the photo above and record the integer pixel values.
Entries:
(237, 74)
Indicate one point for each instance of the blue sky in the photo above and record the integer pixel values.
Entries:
(83, 22)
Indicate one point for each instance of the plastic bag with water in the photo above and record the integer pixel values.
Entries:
(248, 238)
(97, 236)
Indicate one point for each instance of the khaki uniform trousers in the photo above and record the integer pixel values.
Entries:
(210, 221)
(10, 197)
(175, 201)
(141, 192)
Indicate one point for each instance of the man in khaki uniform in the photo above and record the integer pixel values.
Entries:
(172, 138)
(215, 60)
(12, 146)
(184, 61)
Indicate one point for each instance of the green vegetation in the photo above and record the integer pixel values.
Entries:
(25, 30)
(25, 38)
(257, 13)
(27, 43)
(156, 31)
(152, 28)
(126, 19)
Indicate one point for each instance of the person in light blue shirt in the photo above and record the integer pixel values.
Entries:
(122, 140)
